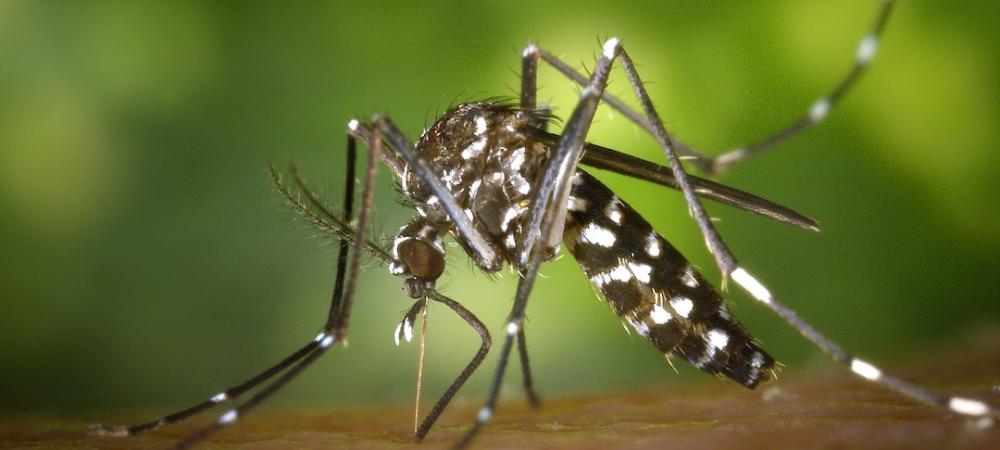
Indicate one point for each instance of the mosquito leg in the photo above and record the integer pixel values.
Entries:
(238, 390)
(529, 76)
(546, 219)
(703, 161)
(221, 397)
(727, 263)
(334, 331)
(817, 112)
(960, 405)
(605, 158)
(231, 416)
(340, 322)
(548, 204)
(529, 384)
(529, 91)
(723, 257)
(352, 156)
(819, 109)
(484, 348)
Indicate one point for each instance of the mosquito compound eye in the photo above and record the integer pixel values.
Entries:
(424, 261)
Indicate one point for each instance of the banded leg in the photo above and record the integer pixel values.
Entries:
(612, 48)
(729, 266)
(405, 329)
(606, 158)
(815, 114)
(546, 220)
(334, 331)
(529, 93)
(236, 391)
(864, 369)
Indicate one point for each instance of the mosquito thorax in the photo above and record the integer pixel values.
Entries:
(487, 161)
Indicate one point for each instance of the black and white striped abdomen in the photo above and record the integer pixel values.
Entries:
(652, 286)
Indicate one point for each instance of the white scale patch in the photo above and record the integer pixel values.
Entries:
(395, 267)
(576, 204)
(480, 125)
(229, 417)
(865, 370)
(968, 406)
(407, 331)
(682, 305)
(474, 149)
(743, 278)
(756, 363)
(718, 339)
(819, 110)
(509, 241)
(452, 177)
(516, 159)
(397, 242)
(641, 271)
(867, 49)
(219, 398)
(614, 211)
(474, 188)
(660, 315)
(610, 47)
(511, 213)
(653, 246)
(520, 184)
(484, 415)
(688, 278)
(619, 273)
(598, 235)
(640, 327)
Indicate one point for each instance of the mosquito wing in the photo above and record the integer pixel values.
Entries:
(608, 159)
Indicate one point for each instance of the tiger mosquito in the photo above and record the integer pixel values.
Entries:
(489, 174)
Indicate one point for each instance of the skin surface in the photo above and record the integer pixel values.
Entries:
(823, 408)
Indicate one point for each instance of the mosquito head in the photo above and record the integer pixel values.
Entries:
(425, 264)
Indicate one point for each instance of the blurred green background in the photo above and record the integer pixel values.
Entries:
(147, 263)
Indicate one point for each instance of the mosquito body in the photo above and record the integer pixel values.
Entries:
(491, 176)
(488, 161)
